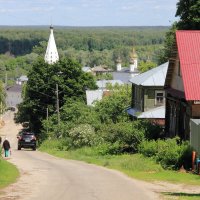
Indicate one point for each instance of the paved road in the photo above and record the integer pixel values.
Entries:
(44, 177)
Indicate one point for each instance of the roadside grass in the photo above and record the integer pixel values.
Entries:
(181, 196)
(8, 173)
(133, 165)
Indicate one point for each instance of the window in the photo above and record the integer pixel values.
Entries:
(159, 98)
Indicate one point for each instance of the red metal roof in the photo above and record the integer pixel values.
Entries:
(188, 43)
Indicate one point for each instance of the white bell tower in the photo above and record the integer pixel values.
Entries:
(51, 55)
(133, 61)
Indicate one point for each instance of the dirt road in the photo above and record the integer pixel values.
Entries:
(44, 177)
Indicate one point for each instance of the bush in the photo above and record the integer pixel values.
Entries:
(109, 149)
(152, 131)
(170, 153)
(148, 148)
(82, 135)
(126, 134)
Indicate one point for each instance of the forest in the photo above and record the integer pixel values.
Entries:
(90, 46)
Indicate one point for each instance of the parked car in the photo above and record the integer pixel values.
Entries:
(26, 140)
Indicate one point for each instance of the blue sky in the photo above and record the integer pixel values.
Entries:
(88, 12)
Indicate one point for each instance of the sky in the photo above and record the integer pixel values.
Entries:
(88, 12)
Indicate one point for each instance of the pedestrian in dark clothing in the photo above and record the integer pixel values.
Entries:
(0, 140)
(6, 147)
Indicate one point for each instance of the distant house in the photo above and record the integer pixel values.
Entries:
(102, 84)
(13, 95)
(21, 80)
(148, 95)
(99, 70)
(182, 84)
(96, 95)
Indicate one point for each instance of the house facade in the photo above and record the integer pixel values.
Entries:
(148, 93)
(182, 84)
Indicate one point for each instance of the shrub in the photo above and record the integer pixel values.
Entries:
(152, 131)
(148, 148)
(109, 148)
(126, 134)
(170, 153)
(82, 135)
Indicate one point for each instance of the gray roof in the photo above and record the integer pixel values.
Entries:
(133, 111)
(123, 76)
(153, 77)
(155, 113)
(103, 83)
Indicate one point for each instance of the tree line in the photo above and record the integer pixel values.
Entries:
(20, 41)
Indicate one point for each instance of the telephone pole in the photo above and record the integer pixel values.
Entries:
(57, 104)
(47, 120)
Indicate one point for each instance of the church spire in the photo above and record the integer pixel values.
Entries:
(51, 55)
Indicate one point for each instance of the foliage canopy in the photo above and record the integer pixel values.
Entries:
(40, 91)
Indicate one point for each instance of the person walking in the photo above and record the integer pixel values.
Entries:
(6, 147)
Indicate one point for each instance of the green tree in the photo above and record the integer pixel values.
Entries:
(41, 88)
(168, 45)
(189, 13)
(145, 66)
(112, 108)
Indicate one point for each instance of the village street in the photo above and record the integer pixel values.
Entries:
(44, 177)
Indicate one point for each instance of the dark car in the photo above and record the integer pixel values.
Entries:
(26, 140)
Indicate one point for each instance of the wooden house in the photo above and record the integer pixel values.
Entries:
(148, 95)
(182, 84)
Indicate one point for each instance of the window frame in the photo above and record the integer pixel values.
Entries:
(156, 101)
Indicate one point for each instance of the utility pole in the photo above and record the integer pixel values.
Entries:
(47, 120)
(57, 104)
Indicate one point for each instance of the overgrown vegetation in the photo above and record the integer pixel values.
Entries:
(170, 153)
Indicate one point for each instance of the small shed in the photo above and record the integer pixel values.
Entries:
(195, 134)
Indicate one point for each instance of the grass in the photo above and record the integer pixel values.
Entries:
(182, 196)
(8, 173)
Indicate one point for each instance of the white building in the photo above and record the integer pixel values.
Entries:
(51, 55)
(126, 73)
